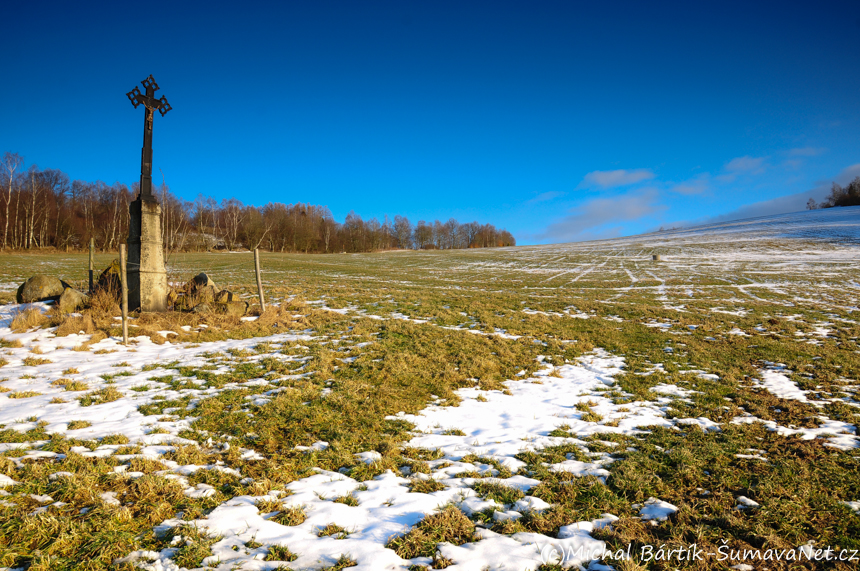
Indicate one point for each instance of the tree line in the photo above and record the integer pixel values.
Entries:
(45, 209)
(839, 196)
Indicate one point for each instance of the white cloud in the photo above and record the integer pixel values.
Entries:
(754, 165)
(611, 179)
(603, 211)
(606, 217)
(779, 205)
(785, 204)
(544, 196)
(845, 176)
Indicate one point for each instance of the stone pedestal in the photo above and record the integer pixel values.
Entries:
(147, 278)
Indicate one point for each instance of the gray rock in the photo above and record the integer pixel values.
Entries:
(224, 296)
(40, 288)
(205, 294)
(110, 279)
(183, 303)
(235, 308)
(200, 281)
(202, 308)
(71, 299)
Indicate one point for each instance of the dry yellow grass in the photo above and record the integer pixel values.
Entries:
(98, 335)
(76, 324)
(103, 307)
(23, 394)
(28, 319)
(449, 525)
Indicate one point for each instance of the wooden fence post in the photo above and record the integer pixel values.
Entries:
(124, 282)
(259, 280)
(92, 247)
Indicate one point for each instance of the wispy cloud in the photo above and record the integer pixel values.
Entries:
(746, 164)
(607, 216)
(782, 204)
(848, 174)
(612, 179)
(845, 176)
(544, 196)
(699, 185)
(806, 151)
(598, 212)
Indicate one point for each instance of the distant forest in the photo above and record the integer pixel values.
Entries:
(839, 196)
(44, 209)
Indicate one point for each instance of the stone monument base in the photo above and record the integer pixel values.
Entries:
(147, 278)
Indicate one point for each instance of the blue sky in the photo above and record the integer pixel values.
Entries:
(560, 121)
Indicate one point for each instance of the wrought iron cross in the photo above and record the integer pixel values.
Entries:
(149, 101)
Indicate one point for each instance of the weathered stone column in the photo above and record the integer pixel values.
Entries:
(147, 278)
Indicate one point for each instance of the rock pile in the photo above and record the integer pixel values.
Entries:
(48, 288)
(202, 295)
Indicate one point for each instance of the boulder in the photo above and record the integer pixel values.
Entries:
(200, 281)
(234, 308)
(40, 288)
(182, 303)
(71, 299)
(202, 308)
(205, 294)
(224, 296)
(110, 279)
(201, 289)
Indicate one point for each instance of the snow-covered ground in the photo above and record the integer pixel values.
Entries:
(492, 428)
(488, 424)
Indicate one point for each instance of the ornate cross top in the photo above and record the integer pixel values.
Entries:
(149, 101)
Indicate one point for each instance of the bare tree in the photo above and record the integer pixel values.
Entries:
(49, 211)
(471, 229)
(450, 232)
(233, 216)
(387, 233)
(30, 210)
(328, 227)
(403, 232)
(847, 196)
(10, 163)
(423, 235)
(256, 227)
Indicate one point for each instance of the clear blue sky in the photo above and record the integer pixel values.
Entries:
(557, 120)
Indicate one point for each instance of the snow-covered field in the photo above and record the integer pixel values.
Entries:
(788, 284)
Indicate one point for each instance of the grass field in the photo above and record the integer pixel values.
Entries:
(410, 410)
